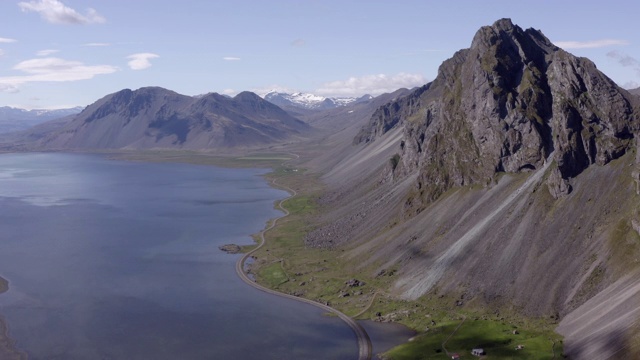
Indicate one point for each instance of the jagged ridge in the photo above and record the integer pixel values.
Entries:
(503, 105)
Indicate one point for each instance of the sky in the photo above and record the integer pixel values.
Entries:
(64, 53)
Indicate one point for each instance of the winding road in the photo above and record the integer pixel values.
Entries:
(364, 342)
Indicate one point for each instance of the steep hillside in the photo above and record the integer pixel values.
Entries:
(337, 127)
(159, 118)
(508, 181)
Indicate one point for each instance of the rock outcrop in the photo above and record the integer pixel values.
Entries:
(504, 105)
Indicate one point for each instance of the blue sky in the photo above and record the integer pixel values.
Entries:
(59, 53)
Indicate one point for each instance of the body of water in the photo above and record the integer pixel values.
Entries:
(119, 260)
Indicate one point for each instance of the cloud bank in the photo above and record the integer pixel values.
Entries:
(7, 40)
(52, 69)
(141, 61)
(371, 84)
(231, 58)
(590, 44)
(56, 12)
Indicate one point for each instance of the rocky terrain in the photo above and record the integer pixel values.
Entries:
(510, 180)
(504, 105)
(158, 118)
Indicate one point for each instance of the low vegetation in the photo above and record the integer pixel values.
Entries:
(285, 263)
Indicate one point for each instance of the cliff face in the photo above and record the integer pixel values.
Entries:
(509, 181)
(504, 105)
(159, 118)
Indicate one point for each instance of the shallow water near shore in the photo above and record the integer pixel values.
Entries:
(113, 260)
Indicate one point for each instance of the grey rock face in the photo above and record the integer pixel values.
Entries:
(504, 105)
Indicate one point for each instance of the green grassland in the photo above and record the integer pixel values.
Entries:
(284, 263)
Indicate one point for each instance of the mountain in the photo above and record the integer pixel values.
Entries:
(340, 125)
(511, 181)
(15, 119)
(310, 101)
(154, 117)
(506, 104)
(635, 91)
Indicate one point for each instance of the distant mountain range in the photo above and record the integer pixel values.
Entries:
(15, 119)
(310, 101)
(154, 117)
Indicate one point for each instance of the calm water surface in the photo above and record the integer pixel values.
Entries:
(119, 260)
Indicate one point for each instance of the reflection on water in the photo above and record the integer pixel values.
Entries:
(120, 260)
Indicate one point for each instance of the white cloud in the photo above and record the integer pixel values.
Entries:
(298, 43)
(625, 60)
(631, 85)
(52, 70)
(141, 61)
(95, 44)
(1, 52)
(8, 88)
(56, 12)
(229, 92)
(371, 84)
(7, 40)
(590, 44)
(231, 58)
(46, 52)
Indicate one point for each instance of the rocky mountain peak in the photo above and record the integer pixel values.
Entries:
(504, 105)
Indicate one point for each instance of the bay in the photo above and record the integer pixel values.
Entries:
(119, 260)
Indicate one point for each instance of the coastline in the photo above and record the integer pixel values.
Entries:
(285, 265)
(4, 285)
(364, 342)
(8, 349)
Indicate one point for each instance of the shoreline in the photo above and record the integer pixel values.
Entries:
(364, 342)
(8, 349)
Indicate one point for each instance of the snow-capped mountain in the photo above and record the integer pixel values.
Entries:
(311, 101)
(16, 119)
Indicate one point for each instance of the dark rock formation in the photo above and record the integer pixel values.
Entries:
(504, 105)
(230, 248)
